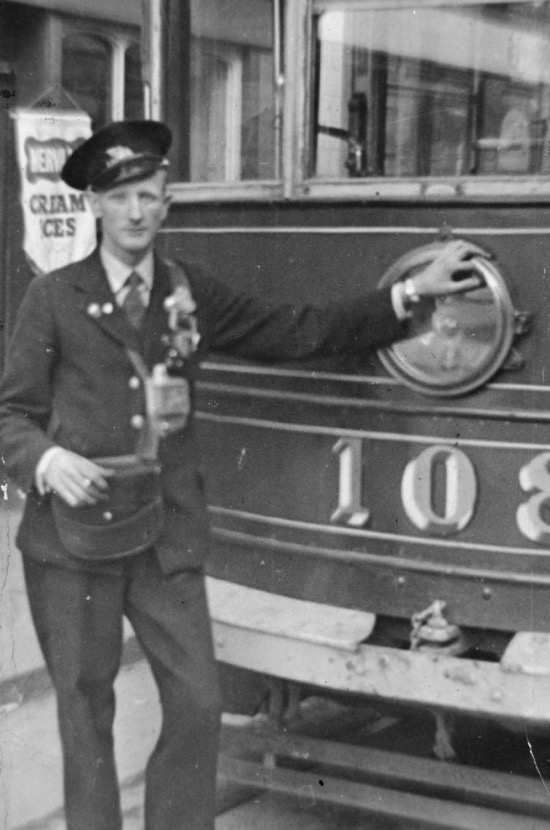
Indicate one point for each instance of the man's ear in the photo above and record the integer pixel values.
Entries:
(93, 201)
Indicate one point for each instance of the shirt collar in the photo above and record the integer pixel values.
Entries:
(118, 272)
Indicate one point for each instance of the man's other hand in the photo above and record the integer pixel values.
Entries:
(76, 479)
(450, 272)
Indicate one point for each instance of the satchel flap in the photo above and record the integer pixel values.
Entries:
(96, 543)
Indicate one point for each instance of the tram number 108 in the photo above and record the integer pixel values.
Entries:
(460, 491)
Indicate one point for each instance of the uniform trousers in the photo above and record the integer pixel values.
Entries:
(78, 619)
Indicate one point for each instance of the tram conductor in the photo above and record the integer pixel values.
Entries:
(96, 427)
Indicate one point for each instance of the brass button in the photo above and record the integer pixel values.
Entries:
(137, 421)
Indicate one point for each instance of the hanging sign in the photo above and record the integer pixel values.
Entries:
(59, 225)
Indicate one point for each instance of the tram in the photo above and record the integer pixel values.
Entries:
(381, 530)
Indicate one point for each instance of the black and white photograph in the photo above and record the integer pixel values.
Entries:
(274, 415)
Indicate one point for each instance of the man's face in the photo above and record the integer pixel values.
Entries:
(131, 215)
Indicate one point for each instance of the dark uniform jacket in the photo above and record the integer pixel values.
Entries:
(65, 360)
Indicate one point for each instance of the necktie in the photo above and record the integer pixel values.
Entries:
(133, 304)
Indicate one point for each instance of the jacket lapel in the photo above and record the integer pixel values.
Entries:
(98, 303)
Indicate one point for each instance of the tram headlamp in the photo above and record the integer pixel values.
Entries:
(458, 342)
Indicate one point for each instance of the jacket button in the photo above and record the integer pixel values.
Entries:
(137, 421)
(133, 383)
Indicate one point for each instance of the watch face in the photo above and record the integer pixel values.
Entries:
(455, 343)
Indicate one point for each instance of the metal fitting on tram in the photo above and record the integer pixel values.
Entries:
(431, 631)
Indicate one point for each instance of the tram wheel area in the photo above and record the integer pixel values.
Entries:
(378, 765)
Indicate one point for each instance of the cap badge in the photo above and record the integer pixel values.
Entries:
(117, 154)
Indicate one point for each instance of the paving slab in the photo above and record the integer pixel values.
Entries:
(30, 753)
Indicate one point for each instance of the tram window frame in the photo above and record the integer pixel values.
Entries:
(119, 40)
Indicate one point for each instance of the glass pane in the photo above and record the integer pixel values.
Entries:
(229, 92)
(133, 84)
(460, 89)
(86, 76)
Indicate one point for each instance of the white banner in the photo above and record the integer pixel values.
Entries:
(59, 226)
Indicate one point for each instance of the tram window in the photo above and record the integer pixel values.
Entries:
(459, 88)
(229, 97)
(86, 74)
(133, 83)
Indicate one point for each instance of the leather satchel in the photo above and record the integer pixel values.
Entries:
(128, 522)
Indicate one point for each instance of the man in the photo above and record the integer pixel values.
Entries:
(71, 393)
